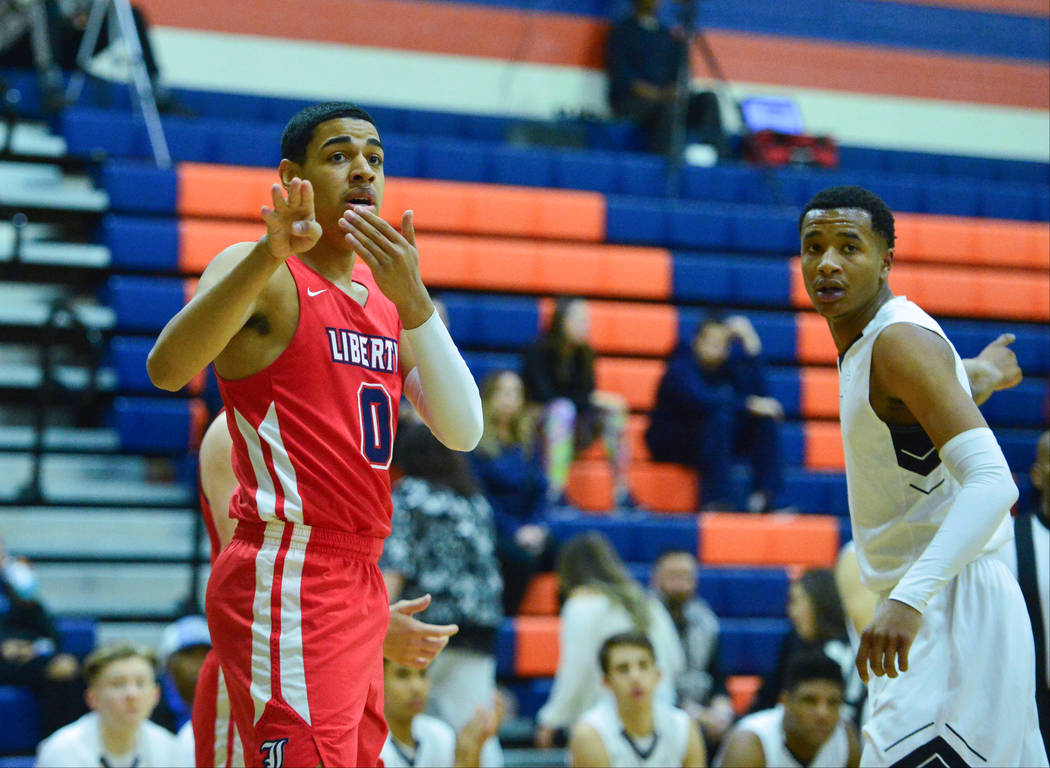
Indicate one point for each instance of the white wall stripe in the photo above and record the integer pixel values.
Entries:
(262, 625)
(293, 671)
(265, 498)
(270, 431)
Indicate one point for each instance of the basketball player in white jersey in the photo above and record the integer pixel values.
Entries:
(949, 651)
(630, 729)
(416, 739)
(806, 728)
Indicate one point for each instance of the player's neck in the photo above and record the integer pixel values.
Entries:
(637, 718)
(401, 730)
(116, 739)
(802, 751)
(846, 329)
(337, 266)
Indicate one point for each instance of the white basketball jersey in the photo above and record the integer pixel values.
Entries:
(899, 491)
(768, 725)
(666, 748)
(435, 745)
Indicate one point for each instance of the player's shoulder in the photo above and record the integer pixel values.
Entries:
(158, 735)
(904, 346)
(66, 745)
(432, 726)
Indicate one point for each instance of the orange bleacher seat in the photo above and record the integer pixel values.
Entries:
(969, 241)
(813, 342)
(634, 378)
(961, 291)
(234, 192)
(535, 646)
(742, 690)
(823, 445)
(541, 596)
(818, 392)
(544, 267)
(200, 240)
(625, 328)
(728, 538)
(659, 486)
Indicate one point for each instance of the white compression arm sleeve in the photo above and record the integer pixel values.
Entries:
(988, 491)
(441, 388)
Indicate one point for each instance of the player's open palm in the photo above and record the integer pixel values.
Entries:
(290, 223)
(885, 643)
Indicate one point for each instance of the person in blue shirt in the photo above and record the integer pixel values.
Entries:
(508, 466)
(712, 405)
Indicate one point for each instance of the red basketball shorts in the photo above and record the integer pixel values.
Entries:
(297, 617)
(214, 735)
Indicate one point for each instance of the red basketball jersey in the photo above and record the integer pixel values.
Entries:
(313, 432)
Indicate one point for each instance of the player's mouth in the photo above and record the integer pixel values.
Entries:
(638, 693)
(828, 291)
(361, 198)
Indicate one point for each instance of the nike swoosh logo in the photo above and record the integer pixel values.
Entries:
(315, 293)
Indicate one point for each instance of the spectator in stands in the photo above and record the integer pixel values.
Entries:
(1030, 562)
(818, 624)
(559, 375)
(443, 543)
(632, 729)
(600, 601)
(418, 739)
(643, 60)
(713, 404)
(701, 686)
(804, 728)
(507, 464)
(122, 690)
(183, 646)
(30, 652)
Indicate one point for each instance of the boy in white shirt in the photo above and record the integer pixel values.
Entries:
(122, 690)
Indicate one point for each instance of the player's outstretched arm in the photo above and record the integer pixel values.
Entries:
(586, 749)
(411, 642)
(437, 381)
(230, 289)
(993, 369)
(916, 368)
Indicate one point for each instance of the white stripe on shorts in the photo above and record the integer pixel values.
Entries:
(293, 671)
(262, 625)
(221, 743)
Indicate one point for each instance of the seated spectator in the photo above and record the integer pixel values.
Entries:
(601, 600)
(632, 729)
(443, 543)
(183, 646)
(712, 405)
(418, 739)
(818, 624)
(701, 686)
(507, 464)
(643, 60)
(559, 375)
(30, 654)
(122, 690)
(804, 728)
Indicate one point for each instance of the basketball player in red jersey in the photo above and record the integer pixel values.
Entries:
(311, 347)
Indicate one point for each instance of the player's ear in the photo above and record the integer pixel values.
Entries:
(887, 263)
(288, 170)
(90, 699)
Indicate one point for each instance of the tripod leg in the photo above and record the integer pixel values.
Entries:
(143, 86)
(87, 49)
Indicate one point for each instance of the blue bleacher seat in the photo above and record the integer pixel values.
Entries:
(481, 364)
(152, 424)
(20, 717)
(76, 635)
(527, 166)
(126, 356)
(144, 303)
(442, 158)
(744, 592)
(141, 243)
(139, 187)
(502, 322)
(698, 225)
(243, 143)
(1024, 405)
(815, 492)
(658, 534)
(505, 648)
(751, 646)
(953, 198)
(631, 220)
(532, 694)
(580, 169)
(401, 155)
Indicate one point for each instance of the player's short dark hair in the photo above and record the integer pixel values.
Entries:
(855, 197)
(805, 666)
(300, 129)
(633, 639)
(103, 656)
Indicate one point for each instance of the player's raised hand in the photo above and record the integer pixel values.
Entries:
(884, 645)
(1003, 360)
(393, 258)
(411, 642)
(290, 223)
